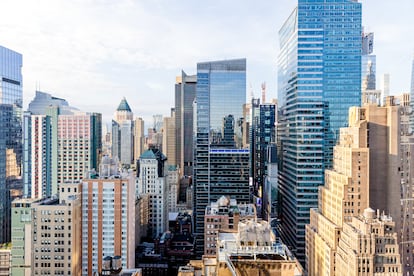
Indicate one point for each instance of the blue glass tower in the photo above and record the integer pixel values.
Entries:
(319, 78)
(262, 134)
(11, 100)
(220, 168)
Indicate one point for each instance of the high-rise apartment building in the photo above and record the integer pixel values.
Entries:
(108, 217)
(319, 78)
(56, 233)
(11, 101)
(152, 181)
(185, 92)
(61, 144)
(221, 92)
(22, 236)
(368, 246)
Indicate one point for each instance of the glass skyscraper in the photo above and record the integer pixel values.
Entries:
(319, 78)
(11, 100)
(185, 92)
(220, 92)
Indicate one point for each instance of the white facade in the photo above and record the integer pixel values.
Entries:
(155, 186)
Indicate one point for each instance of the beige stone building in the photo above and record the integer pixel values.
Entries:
(368, 246)
(139, 138)
(364, 174)
(344, 195)
(56, 232)
(223, 215)
(391, 147)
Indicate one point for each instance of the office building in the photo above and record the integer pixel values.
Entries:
(345, 194)
(185, 92)
(152, 181)
(319, 78)
(139, 138)
(22, 236)
(218, 169)
(173, 186)
(262, 134)
(108, 217)
(224, 215)
(368, 246)
(56, 233)
(11, 101)
(391, 141)
(123, 134)
(168, 138)
(270, 190)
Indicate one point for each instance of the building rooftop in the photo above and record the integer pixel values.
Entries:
(124, 106)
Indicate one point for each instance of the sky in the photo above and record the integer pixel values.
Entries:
(95, 52)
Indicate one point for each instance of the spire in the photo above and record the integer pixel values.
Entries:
(124, 106)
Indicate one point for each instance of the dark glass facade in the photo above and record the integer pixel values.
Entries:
(185, 92)
(221, 91)
(319, 78)
(262, 134)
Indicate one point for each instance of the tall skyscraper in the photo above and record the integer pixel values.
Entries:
(262, 134)
(345, 194)
(391, 144)
(11, 100)
(185, 92)
(123, 134)
(221, 93)
(319, 78)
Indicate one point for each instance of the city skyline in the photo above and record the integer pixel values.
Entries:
(94, 53)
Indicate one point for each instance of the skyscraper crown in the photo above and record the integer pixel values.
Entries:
(124, 106)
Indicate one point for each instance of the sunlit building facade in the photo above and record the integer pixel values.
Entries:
(319, 78)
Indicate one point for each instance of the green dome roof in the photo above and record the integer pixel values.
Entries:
(124, 106)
